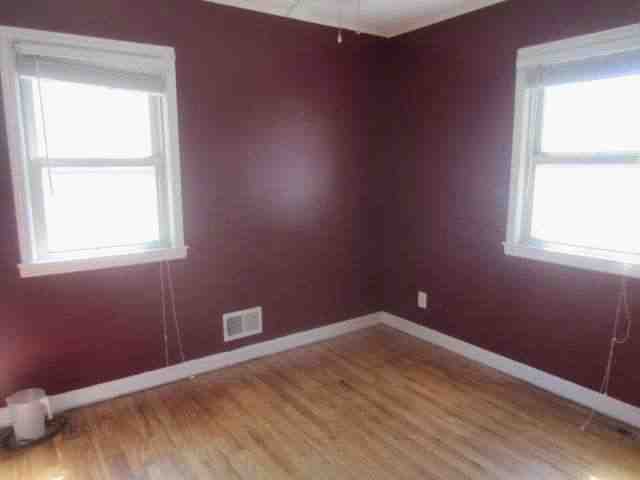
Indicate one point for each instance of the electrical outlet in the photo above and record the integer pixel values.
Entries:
(423, 300)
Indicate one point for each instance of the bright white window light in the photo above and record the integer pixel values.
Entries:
(94, 154)
(89, 121)
(588, 206)
(601, 116)
(102, 207)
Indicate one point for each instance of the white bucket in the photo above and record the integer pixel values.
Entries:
(28, 409)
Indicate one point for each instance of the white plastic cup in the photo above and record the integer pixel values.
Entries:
(28, 409)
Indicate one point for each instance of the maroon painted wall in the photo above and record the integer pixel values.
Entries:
(447, 182)
(310, 172)
(278, 204)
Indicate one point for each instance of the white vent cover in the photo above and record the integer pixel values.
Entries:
(242, 323)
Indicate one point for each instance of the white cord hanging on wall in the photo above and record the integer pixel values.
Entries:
(339, 24)
(45, 140)
(622, 309)
(166, 283)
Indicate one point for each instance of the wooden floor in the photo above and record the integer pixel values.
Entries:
(375, 404)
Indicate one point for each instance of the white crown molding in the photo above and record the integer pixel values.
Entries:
(386, 29)
(303, 16)
(417, 23)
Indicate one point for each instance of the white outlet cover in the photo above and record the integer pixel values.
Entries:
(423, 300)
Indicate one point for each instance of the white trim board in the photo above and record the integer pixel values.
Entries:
(608, 406)
(154, 378)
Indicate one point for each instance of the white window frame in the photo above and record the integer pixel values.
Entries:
(144, 58)
(524, 156)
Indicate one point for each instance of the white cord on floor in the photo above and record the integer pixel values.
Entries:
(623, 305)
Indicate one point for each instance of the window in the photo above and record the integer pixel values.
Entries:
(92, 129)
(575, 186)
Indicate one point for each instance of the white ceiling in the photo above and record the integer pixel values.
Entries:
(385, 18)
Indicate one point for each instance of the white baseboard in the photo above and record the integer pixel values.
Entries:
(608, 406)
(154, 378)
(563, 388)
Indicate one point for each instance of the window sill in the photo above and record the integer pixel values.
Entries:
(54, 267)
(628, 265)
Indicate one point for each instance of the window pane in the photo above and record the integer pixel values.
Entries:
(591, 117)
(87, 121)
(588, 206)
(100, 207)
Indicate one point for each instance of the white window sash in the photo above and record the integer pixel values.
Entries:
(535, 158)
(38, 209)
(38, 166)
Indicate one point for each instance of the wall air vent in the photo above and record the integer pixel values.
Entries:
(242, 324)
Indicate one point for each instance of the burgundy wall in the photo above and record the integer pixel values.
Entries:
(309, 173)
(277, 191)
(447, 179)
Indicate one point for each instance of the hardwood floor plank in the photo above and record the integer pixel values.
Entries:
(374, 404)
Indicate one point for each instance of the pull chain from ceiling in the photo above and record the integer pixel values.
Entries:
(340, 38)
